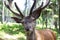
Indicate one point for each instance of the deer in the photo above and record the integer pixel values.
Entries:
(29, 22)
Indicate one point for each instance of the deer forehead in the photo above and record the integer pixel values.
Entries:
(26, 20)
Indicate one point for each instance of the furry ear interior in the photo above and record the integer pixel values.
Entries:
(17, 19)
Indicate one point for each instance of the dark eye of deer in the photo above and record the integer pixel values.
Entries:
(25, 22)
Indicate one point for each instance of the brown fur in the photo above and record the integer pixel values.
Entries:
(45, 35)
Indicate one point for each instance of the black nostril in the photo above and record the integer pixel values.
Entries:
(27, 29)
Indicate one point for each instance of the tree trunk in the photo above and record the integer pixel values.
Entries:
(59, 13)
(3, 12)
(55, 23)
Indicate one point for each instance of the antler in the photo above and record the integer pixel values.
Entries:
(36, 13)
(13, 11)
(18, 10)
(32, 7)
(10, 2)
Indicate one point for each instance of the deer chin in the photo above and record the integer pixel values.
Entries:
(29, 32)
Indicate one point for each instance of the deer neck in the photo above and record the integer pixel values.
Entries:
(31, 36)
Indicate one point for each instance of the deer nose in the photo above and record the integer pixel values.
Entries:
(27, 29)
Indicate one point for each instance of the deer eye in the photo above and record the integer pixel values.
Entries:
(25, 22)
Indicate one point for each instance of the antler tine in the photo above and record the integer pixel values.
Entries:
(18, 10)
(10, 2)
(32, 7)
(11, 9)
(47, 2)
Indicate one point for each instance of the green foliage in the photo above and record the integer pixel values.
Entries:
(12, 28)
(1, 4)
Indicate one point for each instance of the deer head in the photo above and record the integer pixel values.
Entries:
(28, 21)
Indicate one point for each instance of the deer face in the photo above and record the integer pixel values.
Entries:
(28, 24)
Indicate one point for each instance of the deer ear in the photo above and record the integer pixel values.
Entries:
(17, 19)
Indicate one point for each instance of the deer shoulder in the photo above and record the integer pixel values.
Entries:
(45, 34)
